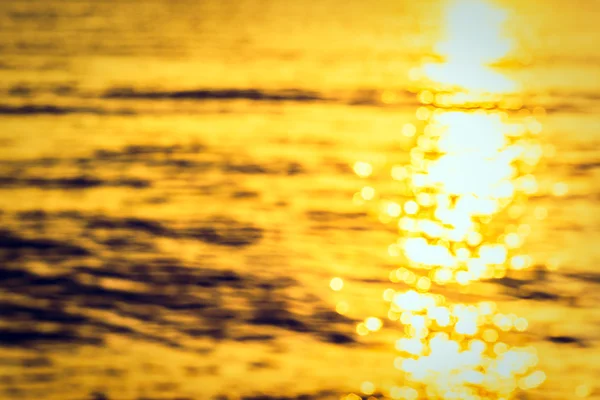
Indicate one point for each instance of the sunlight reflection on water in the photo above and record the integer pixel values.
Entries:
(467, 168)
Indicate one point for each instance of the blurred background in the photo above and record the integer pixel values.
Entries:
(189, 196)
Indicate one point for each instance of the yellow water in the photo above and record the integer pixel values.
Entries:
(204, 199)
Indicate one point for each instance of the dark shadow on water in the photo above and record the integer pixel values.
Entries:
(216, 94)
(79, 182)
(6, 109)
(111, 266)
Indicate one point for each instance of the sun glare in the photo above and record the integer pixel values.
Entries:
(457, 222)
(474, 40)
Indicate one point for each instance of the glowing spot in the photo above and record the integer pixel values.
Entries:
(512, 240)
(490, 335)
(540, 213)
(367, 388)
(463, 254)
(516, 211)
(534, 127)
(409, 130)
(411, 207)
(474, 238)
(583, 390)
(363, 169)
(357, 199)
(533, 380)
(414, 74)
(487, 307)
(495, 254)
(500, 348)
(503, 322)
(392, 316)
(441, 315)
(368, 193)
(560, 189)
(373, 324)
(423, 284)
(362, 329)
(424, 199)
(524, 230)
(528, 184)
(423, 113)
(470, 47)
(412, 346)
(336, 284)
(477, 346)
(466, 327)
(388, 294)
(553, 263)
(398, 361)
(342, 308)
(394, 250)
(410, 278)
(406, 317)
(462, 277)
(521, 324)
(443, 276)
(518, 262)
(426, 97)
(399, 173)
(393, 209)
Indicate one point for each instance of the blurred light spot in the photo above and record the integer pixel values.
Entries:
(426, 97)
(518, 262)
(336, 284)
(583, 390)
(367, 388)
(368, 193)
(393, 209)
(553, 263)
(423, 113)
(373, 324)
(363, 169)
(521, 324)
(540, 213)
(411, 207)
(399, 173)
(388, 294)
(560, 189)
(490, 335)
(512, 240)
(342, 308)
(362, 329)
(424, 283)
(409, 130)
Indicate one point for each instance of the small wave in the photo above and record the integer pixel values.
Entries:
(216, 94)
(11, 241)
(48, 109)
(79, 182)
(356, 97)
(144, 286)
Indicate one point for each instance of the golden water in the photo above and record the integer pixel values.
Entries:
(245, 199)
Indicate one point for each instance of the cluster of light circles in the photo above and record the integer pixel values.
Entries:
(470, 171)
(466, 169)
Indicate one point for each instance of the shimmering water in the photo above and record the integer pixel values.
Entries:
(177, 184)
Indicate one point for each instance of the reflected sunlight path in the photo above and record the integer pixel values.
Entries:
(470, 171)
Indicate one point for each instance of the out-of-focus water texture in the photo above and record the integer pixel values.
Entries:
(299, 199)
